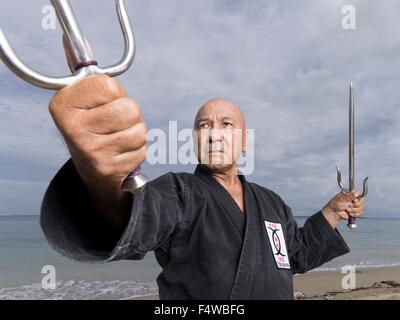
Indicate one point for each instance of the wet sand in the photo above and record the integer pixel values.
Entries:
(371, 284)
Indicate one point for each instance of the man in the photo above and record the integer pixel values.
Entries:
(215, 235)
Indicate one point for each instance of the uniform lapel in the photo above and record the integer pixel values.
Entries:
(226, 200)
(245, 223)
(245, 269)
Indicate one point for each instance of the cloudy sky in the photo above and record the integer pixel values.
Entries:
(287, 64)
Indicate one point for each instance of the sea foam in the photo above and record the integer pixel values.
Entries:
(81, 290)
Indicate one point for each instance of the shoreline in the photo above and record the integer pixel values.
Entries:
(370, 284)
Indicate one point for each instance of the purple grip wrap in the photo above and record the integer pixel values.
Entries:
(85, 64)
(351, 220)
(134, 173)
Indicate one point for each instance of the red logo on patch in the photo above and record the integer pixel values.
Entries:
(276, 241)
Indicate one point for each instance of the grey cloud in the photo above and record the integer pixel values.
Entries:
(287, 64)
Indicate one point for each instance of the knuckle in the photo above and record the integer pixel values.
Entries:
(56, 105)
(142, 134)
(142, 128)
(53, 106)
(135, 108)
(130, 109)
(110, 86)
(142, 154)
(137, 135)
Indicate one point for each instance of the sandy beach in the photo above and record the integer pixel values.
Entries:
(371, 284)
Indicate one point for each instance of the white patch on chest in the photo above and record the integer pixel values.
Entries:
(278, 244)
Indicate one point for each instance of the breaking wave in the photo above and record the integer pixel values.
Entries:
(81, 290)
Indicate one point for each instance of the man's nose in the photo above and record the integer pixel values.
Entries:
(215, 136)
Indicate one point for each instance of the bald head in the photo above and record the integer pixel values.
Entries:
(221, 135)
(221, 108)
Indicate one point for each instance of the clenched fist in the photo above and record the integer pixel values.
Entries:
(103, 129)
(342, 206)
(106, 137)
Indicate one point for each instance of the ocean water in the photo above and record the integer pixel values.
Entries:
(24, 252)
(374, 244)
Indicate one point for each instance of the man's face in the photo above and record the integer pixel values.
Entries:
(220, 130)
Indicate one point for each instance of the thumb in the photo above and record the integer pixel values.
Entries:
(68, 54)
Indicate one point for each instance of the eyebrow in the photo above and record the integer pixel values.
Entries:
(221, 119)
(202, 119)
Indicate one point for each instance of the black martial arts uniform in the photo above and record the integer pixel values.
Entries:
(206, 246)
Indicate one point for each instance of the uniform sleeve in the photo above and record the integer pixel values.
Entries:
(314, 244)
(72, 227)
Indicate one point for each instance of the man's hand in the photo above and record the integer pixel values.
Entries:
(343, 205)
(102, 128)
(106, 137)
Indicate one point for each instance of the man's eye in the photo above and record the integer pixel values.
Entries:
(203, 125)
(227, 124)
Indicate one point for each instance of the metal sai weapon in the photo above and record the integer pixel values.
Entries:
(85, 65)
(351, 223)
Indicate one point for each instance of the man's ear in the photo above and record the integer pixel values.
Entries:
(244, 139)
